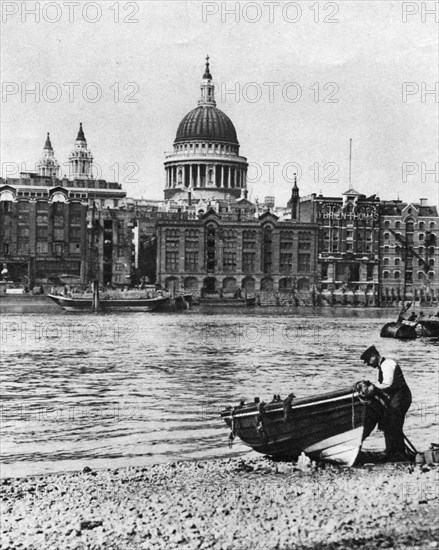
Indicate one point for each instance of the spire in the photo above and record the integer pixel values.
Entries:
(48, 165)
(207, 88)
(48, 144)
(81, 159)
(294, 201)
(207, 74)
(81, 136)
(295, 188)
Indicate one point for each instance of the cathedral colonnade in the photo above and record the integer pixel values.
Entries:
(200, 175)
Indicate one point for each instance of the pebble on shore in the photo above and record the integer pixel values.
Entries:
(238, 503)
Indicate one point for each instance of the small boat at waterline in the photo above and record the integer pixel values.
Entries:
(412, 327)
(400, 330)
(429, 326)
(330, 426)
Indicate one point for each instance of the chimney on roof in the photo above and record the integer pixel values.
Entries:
(423, 202)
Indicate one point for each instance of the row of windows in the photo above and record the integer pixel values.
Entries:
(230, 234)
(348, 234)
(57, 249)
(286, 235)
(43, 233)
(45, 195)
(58, 208)
(191, 244)
(209, 147)
(230, 262)
(338, 223)
(247, 235)
(397, 261)
(421, 225)
(174, 242)
(397, 275)
(386, 236)
(349, 247)
(398, 250)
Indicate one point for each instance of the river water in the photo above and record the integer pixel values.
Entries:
(136, 389)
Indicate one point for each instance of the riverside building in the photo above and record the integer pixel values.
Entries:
(409, 252)
(56, 230)
(348, 246)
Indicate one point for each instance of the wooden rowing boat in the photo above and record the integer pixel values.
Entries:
(330, 426)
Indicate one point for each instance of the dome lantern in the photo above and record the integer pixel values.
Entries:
(206, 122)
(207, 88)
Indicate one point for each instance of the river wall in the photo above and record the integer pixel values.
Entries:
(27, 303)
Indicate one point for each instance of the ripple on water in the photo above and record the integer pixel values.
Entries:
(146, 388)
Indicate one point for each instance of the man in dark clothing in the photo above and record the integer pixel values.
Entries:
(392, 383)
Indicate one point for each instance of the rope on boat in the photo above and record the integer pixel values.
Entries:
(353, 407)
(288, 413)
(233, 429)
(259, 422)
(365, 393)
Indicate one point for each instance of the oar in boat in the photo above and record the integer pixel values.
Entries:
(410, 444)
(403, 310)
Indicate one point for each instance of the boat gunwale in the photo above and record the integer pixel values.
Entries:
(251, 409)
(106, 300)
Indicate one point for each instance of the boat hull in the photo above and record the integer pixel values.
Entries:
(226, 303)
(429, 327)
(401, 331)
(85, 304)
(327, 427)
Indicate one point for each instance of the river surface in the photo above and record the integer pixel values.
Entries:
(134, 389)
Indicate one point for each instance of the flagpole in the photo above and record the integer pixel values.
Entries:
(350, 163)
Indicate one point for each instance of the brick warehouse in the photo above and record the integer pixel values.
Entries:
(71, 229)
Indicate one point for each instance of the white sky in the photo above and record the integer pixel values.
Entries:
(368, 55)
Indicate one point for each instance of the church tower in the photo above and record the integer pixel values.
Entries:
(294, 203)
(48, 165)
(81, 159)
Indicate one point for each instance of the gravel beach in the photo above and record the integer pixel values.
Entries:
(239, 503)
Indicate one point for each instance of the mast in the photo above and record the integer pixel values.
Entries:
(350, 163)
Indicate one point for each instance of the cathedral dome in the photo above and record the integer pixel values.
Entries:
(206, 122)
(205, 162)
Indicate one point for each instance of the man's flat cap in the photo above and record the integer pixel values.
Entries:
(366, 355)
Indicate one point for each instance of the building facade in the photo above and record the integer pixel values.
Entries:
(56, 230)
(348, 246)
(409, 252)
(221, 253)
(211, 239)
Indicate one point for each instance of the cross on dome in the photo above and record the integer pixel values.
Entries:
(207, 70)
